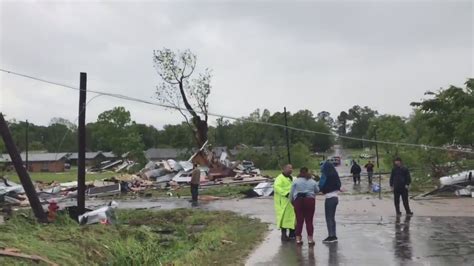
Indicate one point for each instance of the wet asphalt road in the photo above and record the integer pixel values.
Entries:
(365, 241)
(366, 238)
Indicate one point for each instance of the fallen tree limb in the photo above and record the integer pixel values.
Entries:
(25, 256)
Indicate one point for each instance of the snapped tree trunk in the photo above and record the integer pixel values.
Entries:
(201, 127)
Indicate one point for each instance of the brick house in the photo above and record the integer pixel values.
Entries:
(41, 162)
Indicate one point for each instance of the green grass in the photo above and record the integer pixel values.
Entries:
(177, 237)
(271, 173)
(60, 177)
(225, 191)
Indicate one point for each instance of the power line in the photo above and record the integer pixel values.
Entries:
(129, 98)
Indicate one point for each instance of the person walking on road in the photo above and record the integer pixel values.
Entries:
(303, 196)
(195, 181)
(370, 171)
(285, 213)
(330, 185)
(355, 171)
(400, 181)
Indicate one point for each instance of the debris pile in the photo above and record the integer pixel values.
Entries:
(112, 165)
(103, 215)
(460, 184)
(165, 174)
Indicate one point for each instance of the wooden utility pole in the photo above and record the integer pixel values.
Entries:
(81, 161)
(376, 147)
(26, 145)
(378, 169)
(21, 171)
(287, 138)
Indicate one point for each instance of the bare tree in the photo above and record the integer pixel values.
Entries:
(178, 88)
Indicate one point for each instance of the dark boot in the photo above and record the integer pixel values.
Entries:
(292, 234)
(284, 237)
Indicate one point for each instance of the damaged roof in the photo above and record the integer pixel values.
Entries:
(89, 155)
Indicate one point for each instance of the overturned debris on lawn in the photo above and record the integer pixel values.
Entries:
(103, 215)
(112, 165)
(103, 191)
(264, 189)
(163, 174)
(457, 179)
(467, 191)
(459, 184)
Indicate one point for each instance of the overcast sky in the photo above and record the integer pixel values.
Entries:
(302, 55)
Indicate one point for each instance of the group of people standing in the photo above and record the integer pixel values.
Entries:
(295, 202)
(295, 198)
(356, 170)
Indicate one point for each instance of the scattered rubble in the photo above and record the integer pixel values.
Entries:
(264, 189)
(103, 215)
(112, 165)
(467, 191)
(459, 178)
(460, 184)
(163, 174)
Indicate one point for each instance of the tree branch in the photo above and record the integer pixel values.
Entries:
(192, 70)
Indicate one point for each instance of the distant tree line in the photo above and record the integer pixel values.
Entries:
(115, 131)
(446, 117)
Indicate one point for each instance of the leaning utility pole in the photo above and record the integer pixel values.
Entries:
(81, 161)
(21, 171)
(287, 138)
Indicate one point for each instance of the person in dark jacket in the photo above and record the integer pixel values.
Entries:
(330, 185)
(370, 171)
(195, 181)
(400, 181)
(355, 171)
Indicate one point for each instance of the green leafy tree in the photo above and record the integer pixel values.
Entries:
(177, 136)
(60, 137)
(389, 128)
(177, 88)
(449, 114)
(342, 123)
(114, 132)
(360, 117)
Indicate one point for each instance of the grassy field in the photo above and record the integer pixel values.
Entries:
(178, 237)
(218, 191)
(271, 173)
(60, 177)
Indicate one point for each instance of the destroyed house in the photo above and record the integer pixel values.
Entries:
(41, 162)
(219, 150)
(158, 154)
(110, 156)
(92, 158)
